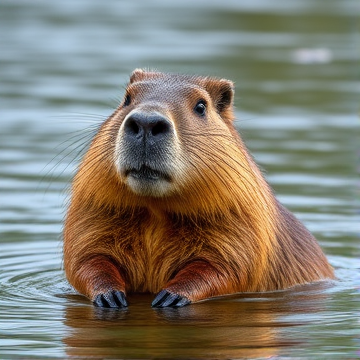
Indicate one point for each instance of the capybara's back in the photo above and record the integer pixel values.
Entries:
(168, 200)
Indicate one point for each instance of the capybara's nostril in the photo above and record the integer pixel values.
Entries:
(141, 125)
(131, 127)
(162, 126)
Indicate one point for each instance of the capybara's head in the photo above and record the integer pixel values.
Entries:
(168, 123)
(171, 140)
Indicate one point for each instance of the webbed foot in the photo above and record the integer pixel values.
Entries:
(166, 298)
(111, 299)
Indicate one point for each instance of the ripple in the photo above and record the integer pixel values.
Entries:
(31, 272)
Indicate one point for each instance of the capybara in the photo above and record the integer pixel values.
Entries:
(168, 200)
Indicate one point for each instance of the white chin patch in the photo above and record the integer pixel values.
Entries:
(154, 187)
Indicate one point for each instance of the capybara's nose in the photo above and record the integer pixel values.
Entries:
(149, 127)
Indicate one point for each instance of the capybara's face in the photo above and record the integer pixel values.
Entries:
(167, 127)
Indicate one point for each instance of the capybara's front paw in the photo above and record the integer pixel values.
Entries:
(111, 299)
(166, 298)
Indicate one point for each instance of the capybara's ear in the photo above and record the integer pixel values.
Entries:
(222, 93)
(226, 90)
(141, 74)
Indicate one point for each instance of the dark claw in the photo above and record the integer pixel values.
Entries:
(182, 302)
(159, 297)
(111, 299)
(166, 298)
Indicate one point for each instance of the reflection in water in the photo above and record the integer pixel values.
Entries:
(244, 325)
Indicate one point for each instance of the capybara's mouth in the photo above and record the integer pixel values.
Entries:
(147, 173)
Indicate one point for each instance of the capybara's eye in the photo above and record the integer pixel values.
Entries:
(200, 107)
(127, 100)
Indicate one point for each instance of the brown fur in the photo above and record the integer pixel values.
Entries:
(218, 230)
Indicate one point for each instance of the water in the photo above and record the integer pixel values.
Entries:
(63, 68)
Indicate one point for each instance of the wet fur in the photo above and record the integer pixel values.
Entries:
(220, 231)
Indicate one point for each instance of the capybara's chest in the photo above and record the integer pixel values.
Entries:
(152, 253)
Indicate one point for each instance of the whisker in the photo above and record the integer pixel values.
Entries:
(79, 141)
